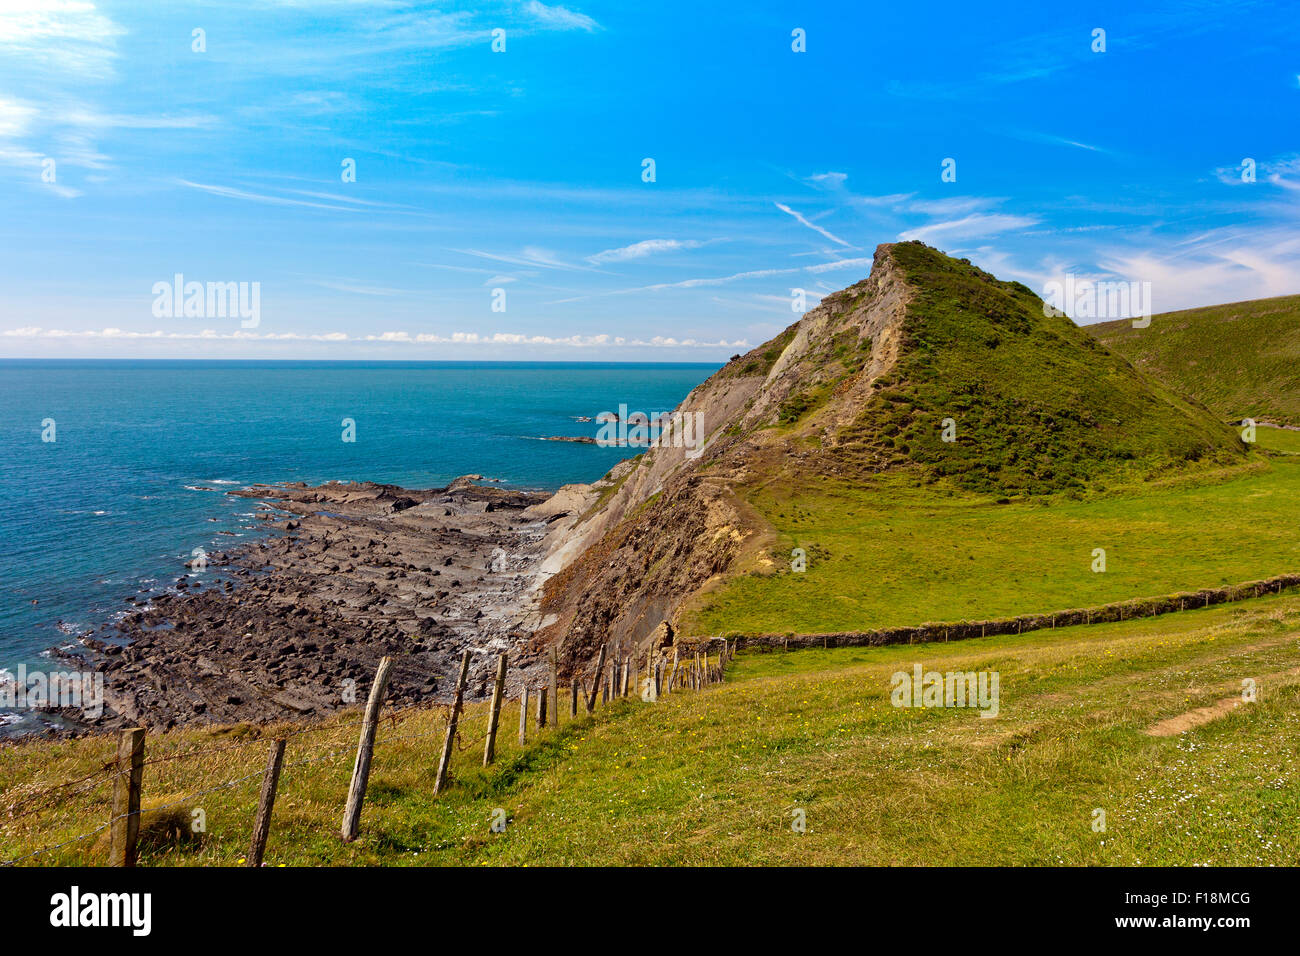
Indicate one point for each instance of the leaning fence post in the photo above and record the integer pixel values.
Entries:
(124, 825)
(595, 681)
(365, 749)
(494, 716)
(523, 717)
(573, 697)
(541, 707)
(445, 760)
(265, 803)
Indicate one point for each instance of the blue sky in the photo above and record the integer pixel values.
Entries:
(522, 170)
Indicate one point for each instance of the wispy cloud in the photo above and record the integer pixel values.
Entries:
(646, 247)
(529, 256)
(230, 192)
(358, 287)
(969, 227)
(401, 337)
(59, 37)
(708, 281)
(803, 221)
(558, 17)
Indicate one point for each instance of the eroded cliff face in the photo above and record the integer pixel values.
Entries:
(869, 381)
(636, 545)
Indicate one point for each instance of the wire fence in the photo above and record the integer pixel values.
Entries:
(357, 732)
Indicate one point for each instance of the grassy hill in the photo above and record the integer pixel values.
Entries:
(1036, 405)
(842, 416)
(1239, 359)
(715, 777)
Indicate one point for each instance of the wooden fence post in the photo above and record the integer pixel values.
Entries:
(365, 750)
(265, 804)
(444, 762)
(523, 716)
(595, 681)
(541, 707)
(573, 697)
(124, 825)
(494, 716)
(555, 685)
(622, 690)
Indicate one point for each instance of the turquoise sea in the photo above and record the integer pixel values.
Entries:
(144, 451)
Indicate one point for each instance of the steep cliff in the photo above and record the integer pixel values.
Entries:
(929, 367)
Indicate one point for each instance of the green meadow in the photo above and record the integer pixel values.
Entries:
(721, 776)
(897, 554)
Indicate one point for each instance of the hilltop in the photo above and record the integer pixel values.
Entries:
(855, 397)
(1239, 359)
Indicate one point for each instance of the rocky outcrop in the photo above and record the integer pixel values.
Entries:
(865, 383)
(669, 521)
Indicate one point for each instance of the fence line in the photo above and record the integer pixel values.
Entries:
(961, 630)
(604, 686)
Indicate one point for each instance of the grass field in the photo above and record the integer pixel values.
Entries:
(715, 777)
(1239, 359)
(901, 555)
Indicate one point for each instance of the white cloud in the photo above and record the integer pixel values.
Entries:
(863, 262)
(15, 117)
(230, 192)
(646, 247)
(1219, 266)
(952, 206)
(59, 36)
(356, 287)
(803, 221)
(560, 18)
(419, 338)
(968, 227)
(708, 281)
(528, 256)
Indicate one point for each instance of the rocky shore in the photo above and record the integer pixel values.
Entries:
(294, 624)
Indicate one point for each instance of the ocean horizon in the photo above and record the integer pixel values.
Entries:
(143, 451)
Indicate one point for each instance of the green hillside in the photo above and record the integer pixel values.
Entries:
(1239, 359)
(894, 554)
(1037, 405)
